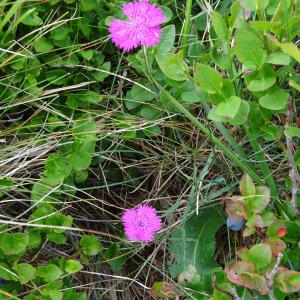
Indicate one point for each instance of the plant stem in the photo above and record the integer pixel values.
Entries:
(187, 26)
(229, 153)
(261, 160)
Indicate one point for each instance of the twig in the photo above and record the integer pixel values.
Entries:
(294, 173)
(235, 294)
(271, 275)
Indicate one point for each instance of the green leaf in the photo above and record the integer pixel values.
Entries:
(35, 238)
(194, 243)
(80, 176)
(220, 26)
(278, 58)
(261, 255)
(49, 272)
(271, 132)
(292, 131)
(85, 128)
(137, 96)
(294, 85)
(261, 199)
(79, 158)
(60, 220)
(228, 108)
(99, 75)
(252, 57)
(80, 161)
(40, 189)
(115, 258)
(191, 97)
(87, 54)
(290, 49)
(60, 33)
(33, 19)
(167, 39)
(82, 99)
(255, 4)
(242, 115)
(152, 131)
(6, 273)
(276, 100)
(13, 243)
(43, 45)
(89, 245)
(247, 187)
(72, 266)
(264, 25)
(57, 238)
(208, 79)
(172, 65)
(88, 5)
(261, 85)
(150, 113)
(25, 272)
(57, 169)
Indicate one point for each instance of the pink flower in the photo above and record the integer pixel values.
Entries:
(142, 28)
(141, 223)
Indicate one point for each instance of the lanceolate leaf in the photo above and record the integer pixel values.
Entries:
(220, 26)
(194, 244)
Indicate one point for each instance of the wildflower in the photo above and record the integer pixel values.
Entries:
(142, 28)
(141, 223)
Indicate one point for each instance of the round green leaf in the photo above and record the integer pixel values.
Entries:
(208, 78)
(43, 45)
(72, 266)
(49, 272)
(13, 243)
(89, 246)
(275, 101)
(261, 255)
(26, 272)
(261, 85)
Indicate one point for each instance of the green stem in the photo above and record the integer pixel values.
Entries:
(268, 178)
(187, 26)
(230, 154)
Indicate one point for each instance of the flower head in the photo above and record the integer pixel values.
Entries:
(141, 28)
(141, 223)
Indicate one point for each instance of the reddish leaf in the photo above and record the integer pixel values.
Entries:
(277, 245)
(287, 281)
(245, 274)
(248, 231)
(236, 208)
(255, 221)
(163, 289)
